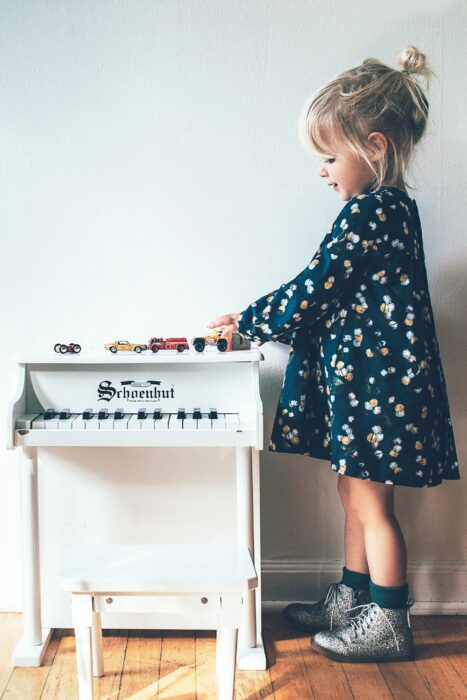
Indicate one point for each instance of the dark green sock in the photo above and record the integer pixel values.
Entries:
(393, 597)
(356, 580)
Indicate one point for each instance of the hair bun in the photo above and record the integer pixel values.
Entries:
(412, 60)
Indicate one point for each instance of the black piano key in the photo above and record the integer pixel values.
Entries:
(119, 414)
(142, 414)
(213, 414)
(64, 413)
(197, 415)
(88, 413)
(181, 415)
(103, 414)
(157, 414)
(49, 413)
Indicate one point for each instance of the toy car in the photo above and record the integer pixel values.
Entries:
(72, 348)
(125, 346)
(233, 341)
(179, 344)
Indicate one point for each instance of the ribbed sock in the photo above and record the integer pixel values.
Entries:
(393, 597)
(356, 580)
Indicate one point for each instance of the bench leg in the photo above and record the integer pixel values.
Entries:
(97, 654)
(81, 606)
(226, 659)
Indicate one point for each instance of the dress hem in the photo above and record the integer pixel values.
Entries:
(328, 458)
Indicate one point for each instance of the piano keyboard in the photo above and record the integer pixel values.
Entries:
(143, 419)
(176, 401)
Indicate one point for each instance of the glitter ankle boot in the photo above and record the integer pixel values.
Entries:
(375, 634)
(329, 613)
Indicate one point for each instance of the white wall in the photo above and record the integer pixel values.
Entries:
(152, 178)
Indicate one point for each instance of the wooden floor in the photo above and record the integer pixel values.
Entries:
(181, 666)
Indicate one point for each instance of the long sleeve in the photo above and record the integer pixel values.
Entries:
(353, 245)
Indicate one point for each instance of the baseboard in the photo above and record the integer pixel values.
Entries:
(438, 587)
(421, 608)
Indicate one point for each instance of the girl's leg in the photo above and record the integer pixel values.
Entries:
(372, 503)
(381, 630)
(354, 541)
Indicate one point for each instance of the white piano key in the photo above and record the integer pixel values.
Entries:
(52, 423)
(122, 423)
(219, 422)
(190, 423)
(136, 423)
(204, 423)
(79, 423)
(107, 423)
(41, 422)
(66, 423)
(92, 423)
(232, 421)
(25, 422)
(163, 423)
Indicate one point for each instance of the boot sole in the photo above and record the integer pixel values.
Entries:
(361, 659)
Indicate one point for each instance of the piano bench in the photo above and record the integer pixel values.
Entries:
(170, 579)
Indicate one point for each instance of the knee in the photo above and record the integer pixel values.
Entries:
(369, 508)
(366, 501)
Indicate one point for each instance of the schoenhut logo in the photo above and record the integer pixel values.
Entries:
(134, 391)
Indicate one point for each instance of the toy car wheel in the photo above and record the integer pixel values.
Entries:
(180, 348)
(76, 348)
(199, 346)
(63, 349)
(113, 349)
(222, 345)
(57, 347)
(155, 348)
(138, 349)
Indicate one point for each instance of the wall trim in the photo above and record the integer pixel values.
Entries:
(438, 587)
(330, 567)
(421, 608)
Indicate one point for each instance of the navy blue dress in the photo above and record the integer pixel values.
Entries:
(364, 385)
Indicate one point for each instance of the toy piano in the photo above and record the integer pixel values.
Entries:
(196, 419)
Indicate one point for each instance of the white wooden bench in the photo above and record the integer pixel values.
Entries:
(180, 579)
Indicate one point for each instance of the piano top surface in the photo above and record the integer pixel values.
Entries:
(104, 357)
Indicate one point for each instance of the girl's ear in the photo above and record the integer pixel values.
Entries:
(378, 144)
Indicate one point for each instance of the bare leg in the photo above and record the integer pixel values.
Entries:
(373, 504)
(354, 540)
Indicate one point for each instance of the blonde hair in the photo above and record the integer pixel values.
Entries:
(372, 97)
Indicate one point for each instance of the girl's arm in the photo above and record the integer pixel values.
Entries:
(344, 256)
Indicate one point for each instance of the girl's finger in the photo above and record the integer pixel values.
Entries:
(220, 321)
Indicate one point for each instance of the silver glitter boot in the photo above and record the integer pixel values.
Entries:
(330, 613)
(375, 634)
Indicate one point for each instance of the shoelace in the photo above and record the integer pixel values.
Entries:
(331, 599)
(358, 622)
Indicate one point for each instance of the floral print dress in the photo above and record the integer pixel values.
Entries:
(364, 385)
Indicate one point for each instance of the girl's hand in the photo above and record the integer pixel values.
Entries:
(226, 323)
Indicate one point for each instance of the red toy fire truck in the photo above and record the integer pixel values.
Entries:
(179, 344)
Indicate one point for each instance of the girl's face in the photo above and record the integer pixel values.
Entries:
(345, 173)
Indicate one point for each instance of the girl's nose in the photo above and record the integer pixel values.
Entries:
(322, 171)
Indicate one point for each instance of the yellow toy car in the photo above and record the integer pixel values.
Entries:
(233, 341)
(125, 346)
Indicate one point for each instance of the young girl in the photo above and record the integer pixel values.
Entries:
(364, 385)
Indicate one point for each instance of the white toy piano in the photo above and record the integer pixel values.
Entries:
(136, 449)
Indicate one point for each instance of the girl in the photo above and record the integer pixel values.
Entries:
(364, 385)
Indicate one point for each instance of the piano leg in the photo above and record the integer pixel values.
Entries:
(251, 654)
(33, 643)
